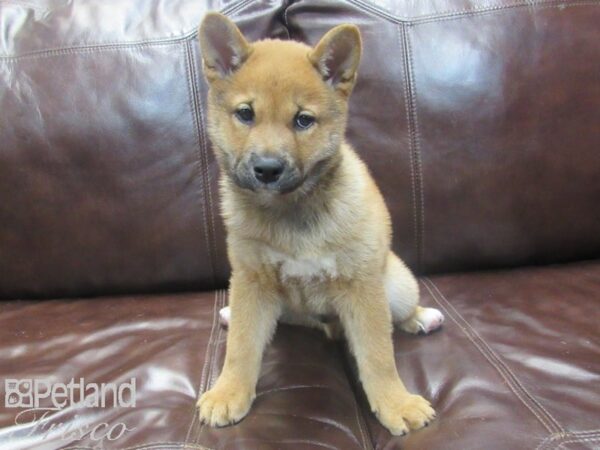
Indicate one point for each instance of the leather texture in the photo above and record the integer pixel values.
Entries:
(107, 183)
(173, 346)
(479, 108)
(516, 365)
(480, 123)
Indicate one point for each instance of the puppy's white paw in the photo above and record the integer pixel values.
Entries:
(224, 316)
(425, 320)
(429, 319)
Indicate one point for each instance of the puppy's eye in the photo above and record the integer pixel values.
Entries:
(302, 121)
(245, 114)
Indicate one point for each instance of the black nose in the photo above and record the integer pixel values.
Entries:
(268, 169)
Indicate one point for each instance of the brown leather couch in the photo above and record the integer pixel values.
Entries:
(480, 121)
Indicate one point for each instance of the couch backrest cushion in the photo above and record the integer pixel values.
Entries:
(478, 120)
(481, 123)
(107, 183)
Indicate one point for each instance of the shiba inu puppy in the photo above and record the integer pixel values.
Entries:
(308, 233)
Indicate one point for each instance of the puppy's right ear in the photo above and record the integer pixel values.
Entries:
(223, 46)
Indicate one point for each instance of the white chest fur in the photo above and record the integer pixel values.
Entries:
(304, 268)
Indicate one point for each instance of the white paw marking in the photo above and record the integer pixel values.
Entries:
(429, 319)
(224, 316)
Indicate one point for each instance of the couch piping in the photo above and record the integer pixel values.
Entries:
(556, 440)
(200, 163)
(214, 366)
(207, 356)
(204, 158)
(545, 418)
(210, 363)
(205, 146)
(150, 446)
(212, 371)
(360, 419)
(414, 147)
(457, 14)
(228, 10)
(368, 8)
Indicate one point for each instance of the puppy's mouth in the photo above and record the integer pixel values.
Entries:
(275, 176)
(287, 183)
(266, 174)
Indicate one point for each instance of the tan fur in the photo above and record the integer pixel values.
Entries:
(323, 249)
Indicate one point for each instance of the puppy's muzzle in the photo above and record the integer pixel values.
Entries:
(267, 169)
(267, 172)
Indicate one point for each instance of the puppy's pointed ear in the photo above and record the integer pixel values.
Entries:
(223, 46)
(337, 55)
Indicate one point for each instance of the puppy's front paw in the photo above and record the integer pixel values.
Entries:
(224, 405)
(410, 412)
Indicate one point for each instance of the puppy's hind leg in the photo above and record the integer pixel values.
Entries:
(402, 291)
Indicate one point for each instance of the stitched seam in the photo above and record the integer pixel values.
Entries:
(494, 360)
(199, 157)
(534, 6)
(567, 437)
(213, 357)
(204, 367)
(213, 212)
(487, 357)
(214, 372)
(549, 440)
(414, 151)
(203, 157)
(193, 33)
(410, 152)
(492, 353)
(228, 10)
(505, 366)
(86, 51)
(205, 385)
(360, 425)
(354, 385)
(542, 445)
(147, 446)
(93, 48)
(367, 5)
(214, 350)
(579, 440)
(457, 14)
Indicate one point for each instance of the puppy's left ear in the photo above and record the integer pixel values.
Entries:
(223, 46)
(337, 55)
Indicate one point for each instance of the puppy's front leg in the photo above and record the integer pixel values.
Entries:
(366, 319)
(255, 308)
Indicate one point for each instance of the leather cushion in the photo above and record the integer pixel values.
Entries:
(173, 346)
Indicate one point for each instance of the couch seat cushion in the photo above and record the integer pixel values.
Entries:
(173, 347)
(516, 364)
